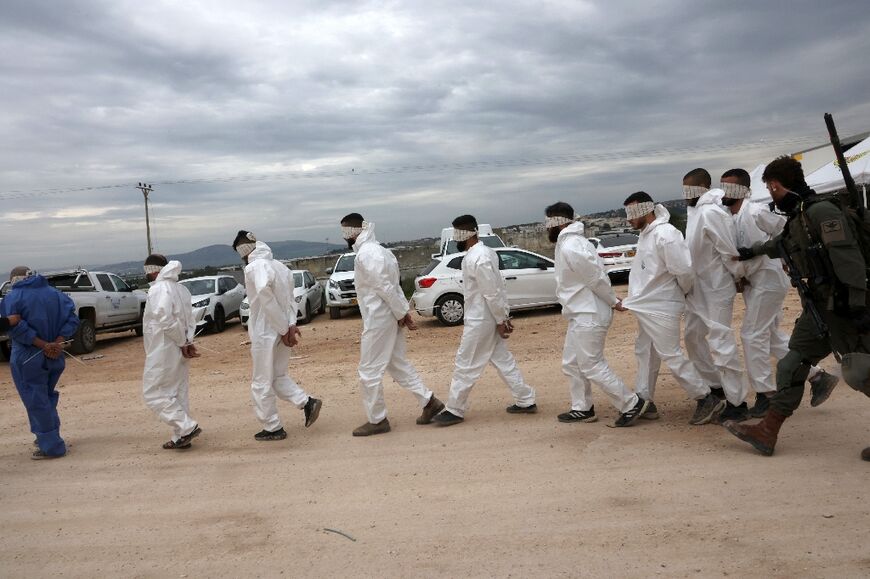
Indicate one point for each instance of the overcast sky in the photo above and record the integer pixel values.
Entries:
(296, 113)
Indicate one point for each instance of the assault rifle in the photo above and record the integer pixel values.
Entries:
(855, 200)
(803, 291)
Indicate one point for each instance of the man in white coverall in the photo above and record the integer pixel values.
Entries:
(168, 329)
(385, 313)
(763, 294)
(660, 277)
(487, 326)
(272, 329)
(710, 340)
(587, 300)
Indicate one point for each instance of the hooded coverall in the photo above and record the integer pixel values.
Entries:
(382, 345)
(45, 313)
(587, 299)
(661, 274)
(710, 340)
(486, 306)
(167, 325)
(269, 285)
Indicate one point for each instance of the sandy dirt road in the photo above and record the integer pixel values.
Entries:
(497, 496)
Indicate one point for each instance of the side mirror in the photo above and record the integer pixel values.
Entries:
(544, 267)
(328, 271)
(132, 287)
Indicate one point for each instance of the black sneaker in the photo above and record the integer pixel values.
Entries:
(733, 413)
(707, 408)
(762, 405)
(632, 416)
(514, 409)
(578, 416)
(279, 434)
(718, 392)
(447, 418)
(185, 440)
(651, 412)
(821, 386)
(312, 410)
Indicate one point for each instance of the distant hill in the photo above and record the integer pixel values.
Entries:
(221, 255)
(674, 206)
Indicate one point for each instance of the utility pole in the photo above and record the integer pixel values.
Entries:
(145, 188)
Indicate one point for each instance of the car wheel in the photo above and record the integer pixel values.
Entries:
(140, 329)
(219, 321)
(6, 350)
(450, 309)
(308, 314)
(334, 313)
(85, 339)
(322, 307)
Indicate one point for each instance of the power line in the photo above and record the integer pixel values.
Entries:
(430, 168)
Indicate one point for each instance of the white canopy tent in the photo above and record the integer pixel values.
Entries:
(760, 194)
(829, 178)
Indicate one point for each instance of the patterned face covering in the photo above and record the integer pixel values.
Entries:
(348, 233)
(557, 221)
(638, 210)
(17, 278)
(734, 190)
(463, 234)
(693, 191)
(245, 249)
(149, 269)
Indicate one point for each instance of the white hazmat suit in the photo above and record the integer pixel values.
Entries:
(382, 345)
(710, 340)
(486, 306)
(661, 274)
(269, 285)
(587, 300)
(167, 325)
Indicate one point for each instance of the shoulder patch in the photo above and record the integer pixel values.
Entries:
(832, 230)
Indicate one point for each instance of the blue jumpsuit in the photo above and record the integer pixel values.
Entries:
(45, 313)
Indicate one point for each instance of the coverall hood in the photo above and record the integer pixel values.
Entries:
(575, 228)
(368, 234)
(169, 271)
(262, 251)
(34, 281)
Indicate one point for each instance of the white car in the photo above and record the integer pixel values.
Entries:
(616, 250)
(308, 294)
(484, 234)
(215, 299)
(530, 280)
(340, 290)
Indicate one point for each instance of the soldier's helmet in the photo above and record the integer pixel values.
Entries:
(856, 371)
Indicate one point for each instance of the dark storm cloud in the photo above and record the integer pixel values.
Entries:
(99, 92)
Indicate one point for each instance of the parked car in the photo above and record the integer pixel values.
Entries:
(530, 280)
(215, 299)
(484, 234)
(5, 349)
(616, 250)
(340, 290)
(308, 294)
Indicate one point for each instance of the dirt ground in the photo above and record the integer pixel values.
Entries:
(497, 496)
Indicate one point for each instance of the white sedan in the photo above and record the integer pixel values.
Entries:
(215, 299)
(616, 250)
(308, 294)
(530, 280)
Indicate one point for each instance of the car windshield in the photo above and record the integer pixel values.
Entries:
(345, 263)
(198, 287)
(487, 240)
(617, 240)
(297, 280)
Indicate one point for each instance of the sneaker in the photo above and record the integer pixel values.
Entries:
(514, 409)
(707, 408)
(368, 429)
(312, 410)
(632, 416)
(718, 392)
(762, 405)
(39, 455)
(733, 413)
(447, 418)
(821, 386)
(578, 416)
(279, 434)
(432, 408)
(185, 440)
(651, 413)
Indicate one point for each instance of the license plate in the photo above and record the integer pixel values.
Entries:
(630, 253)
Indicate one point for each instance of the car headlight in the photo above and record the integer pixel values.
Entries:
(298, 299)
(333, 283)
(202, 303)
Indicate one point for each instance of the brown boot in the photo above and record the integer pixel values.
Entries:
(762, 435)
(433, 407)
(865, 454)
(369, 429)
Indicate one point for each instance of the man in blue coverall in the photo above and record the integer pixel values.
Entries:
(40, 319)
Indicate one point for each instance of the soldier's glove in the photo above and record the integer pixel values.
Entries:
(746, 253)
(862, 320)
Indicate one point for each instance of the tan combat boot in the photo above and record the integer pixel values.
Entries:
(433, 407)
(369, 429)
(762, 435)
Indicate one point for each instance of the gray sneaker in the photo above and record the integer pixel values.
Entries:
(707, 408)
(821, 387)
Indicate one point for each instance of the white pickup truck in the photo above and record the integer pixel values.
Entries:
(104, 303)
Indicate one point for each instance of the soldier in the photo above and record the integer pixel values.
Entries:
(819, 244)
